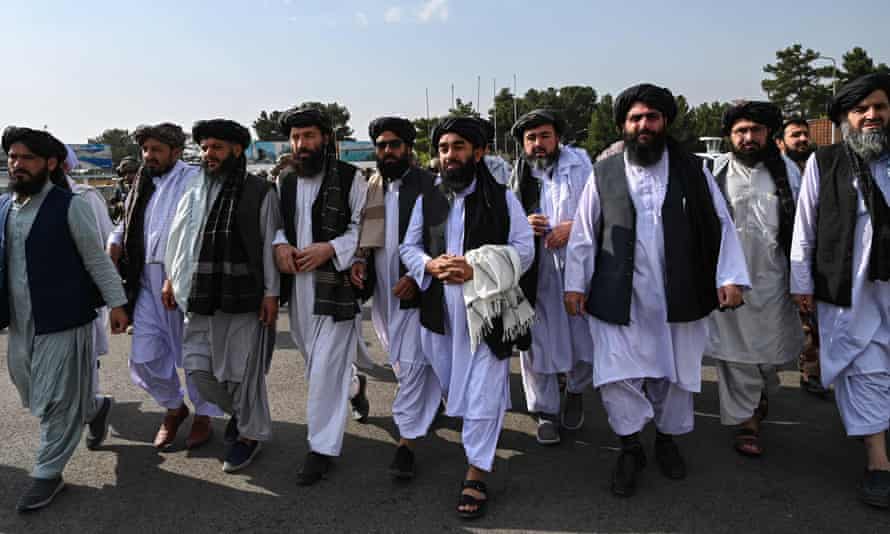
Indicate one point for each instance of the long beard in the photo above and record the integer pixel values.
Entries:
(750, 158)
(645, 155)
(309, 166)
(393, 169)
(30, 187)
(458, 179)
(227, 167)
(867, 144)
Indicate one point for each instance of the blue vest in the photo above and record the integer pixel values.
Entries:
(63, 294)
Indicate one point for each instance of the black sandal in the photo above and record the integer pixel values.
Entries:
(469, 500)
(746, 441)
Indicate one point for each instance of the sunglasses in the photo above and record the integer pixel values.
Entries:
(395, 144)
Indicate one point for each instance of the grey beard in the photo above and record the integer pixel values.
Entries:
(867, 145)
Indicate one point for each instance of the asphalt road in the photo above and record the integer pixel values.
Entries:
(805, 482)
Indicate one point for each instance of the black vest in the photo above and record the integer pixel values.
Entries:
(345, 174)
(63, 294)
(528, 189)
(836, 228)
(486, 222)
(414, 183)
(692, 236)
(249, 223)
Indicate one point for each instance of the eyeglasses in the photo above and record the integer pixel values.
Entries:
(394, 144)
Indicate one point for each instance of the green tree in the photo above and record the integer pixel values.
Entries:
(601, 130)
(424, 129)
(796, 85)
(266, 125)
(856, 63)
(120, 142)
(682, 129)
(709, 119)
(463, 109)
(501, 114)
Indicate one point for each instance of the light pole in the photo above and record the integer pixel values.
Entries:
(833, 85)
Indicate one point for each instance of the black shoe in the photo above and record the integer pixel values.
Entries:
(360, 405)
(631, 461)
(314, 469)
(402, 466)
(97, 429)
(573, 411)
(40, 494)
(874, 489)
(667, 454)
(240, 455)
(231, 434)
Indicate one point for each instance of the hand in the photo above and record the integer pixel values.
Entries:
(559, 236)
(438, 266)
(574, 303)
(167, 297)
(313, 256)
(458, 271)
(405, 289)
(540, 223)
(729, 297)
(118, 320)
(805, 303)
(269, 311)
(115, 251)
(357, 274)
(285, 258)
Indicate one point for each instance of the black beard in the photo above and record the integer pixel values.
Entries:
(455, 180)
(648, 154)
(798, 156)
(227, 167)
(311, 165)
(30, 187)
(542, 162)
(151, 172)
(393, 169)
(750, 158)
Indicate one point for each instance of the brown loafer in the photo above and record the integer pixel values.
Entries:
(201, 432)
(167, 433)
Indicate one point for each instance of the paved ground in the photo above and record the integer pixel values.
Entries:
(805, 482)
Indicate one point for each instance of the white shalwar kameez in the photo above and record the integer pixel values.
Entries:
(476, 384)
(855, 341)
(329, 347)
(560, 343)
(649, 368)
(418, 396)
(157, 332)
(749, 343)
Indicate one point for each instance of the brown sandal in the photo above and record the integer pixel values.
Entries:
(746, 442)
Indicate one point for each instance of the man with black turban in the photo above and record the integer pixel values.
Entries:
(652, 252)
(750, 343)
(840, 258)
(549, 179)
(221, 273)
(379, 272)
(469, 215)
(55, 274)
(139, 246)
(322, 200)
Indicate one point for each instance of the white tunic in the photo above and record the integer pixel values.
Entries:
(558, 340)
(397, 329)
(649, 347)
(469, 379)
(767, 329)
(854, 340)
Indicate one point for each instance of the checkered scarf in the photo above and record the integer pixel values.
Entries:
(222, 280)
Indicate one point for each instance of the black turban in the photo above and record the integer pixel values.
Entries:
(303, 118)
(168, 133)
(466, 127)
(854, 92)
(764, 113)
(538, 117)
(487, 130)
(38, 141)
(653, 96)
(222, 129)
(402, 128)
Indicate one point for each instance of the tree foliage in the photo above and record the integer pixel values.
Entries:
(120, 142)
(266, 125)
(797, 85)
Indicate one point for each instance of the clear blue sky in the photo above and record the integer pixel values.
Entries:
(81, 67)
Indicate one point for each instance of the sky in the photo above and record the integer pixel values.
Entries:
(79, 68)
